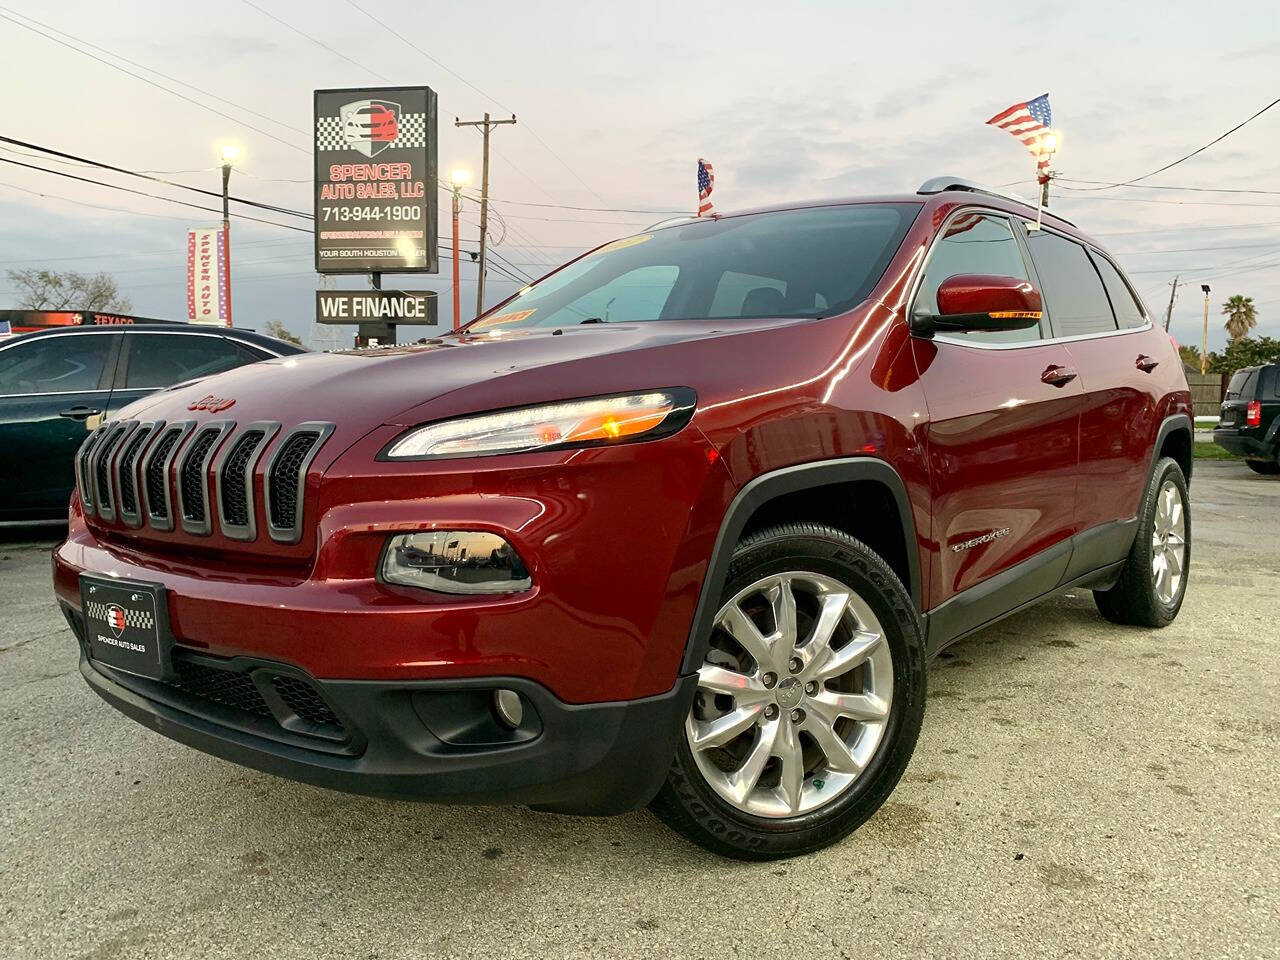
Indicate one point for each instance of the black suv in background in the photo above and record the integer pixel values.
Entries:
(1249, 425)
(57, 384)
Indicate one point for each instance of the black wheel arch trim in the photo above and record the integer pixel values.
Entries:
(1171, 423)
(768, 486)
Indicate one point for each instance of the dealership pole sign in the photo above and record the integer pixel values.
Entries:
(207, 276)
(375, 180)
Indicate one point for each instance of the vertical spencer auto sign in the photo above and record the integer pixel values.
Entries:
(375, 185)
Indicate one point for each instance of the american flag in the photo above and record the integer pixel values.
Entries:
(706, 180)
(1029, 122)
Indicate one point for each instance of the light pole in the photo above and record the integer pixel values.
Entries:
(458, 178)
(228, 153)
(1204, 341)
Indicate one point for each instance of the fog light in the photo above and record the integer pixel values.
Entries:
(508, 707)
(455, 561)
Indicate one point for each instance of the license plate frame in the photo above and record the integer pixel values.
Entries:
(127, 625)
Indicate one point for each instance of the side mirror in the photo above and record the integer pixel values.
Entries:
(972, 301)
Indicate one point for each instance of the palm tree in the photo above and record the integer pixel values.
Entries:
(1241, 317)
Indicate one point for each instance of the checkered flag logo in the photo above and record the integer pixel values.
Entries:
(411, 131)
(118, 617)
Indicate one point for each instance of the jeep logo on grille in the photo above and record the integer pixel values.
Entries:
(211, 403)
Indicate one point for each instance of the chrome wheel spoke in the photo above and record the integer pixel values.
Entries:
(839, 757)
(791, 756)
(747, 634)
(743, 780)
(831, 706)
(839, 662)
(743, 688)
(718, 732)
(783, 602)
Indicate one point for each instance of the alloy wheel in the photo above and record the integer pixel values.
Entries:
(1168, 542)
(793, 696)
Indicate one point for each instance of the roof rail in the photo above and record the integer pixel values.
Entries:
(944, 184)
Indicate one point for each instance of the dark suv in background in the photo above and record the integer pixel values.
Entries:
(1249, 425)
(57, 384)
(680, 523)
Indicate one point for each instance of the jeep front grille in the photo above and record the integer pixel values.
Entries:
(161, 475)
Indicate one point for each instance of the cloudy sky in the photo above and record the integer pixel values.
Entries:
(615, 103)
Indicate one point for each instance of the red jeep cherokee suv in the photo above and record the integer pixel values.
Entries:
(681, 523)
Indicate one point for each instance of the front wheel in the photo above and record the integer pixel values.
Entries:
(810, 698)
(1153, 580)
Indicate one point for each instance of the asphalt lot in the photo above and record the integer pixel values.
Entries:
(1079, 790)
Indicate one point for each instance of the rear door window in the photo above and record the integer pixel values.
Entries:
(60, 364)
(1074, 296)
(1123, 303)
(163, 359)
(974, 243)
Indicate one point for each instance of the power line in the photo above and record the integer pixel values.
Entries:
(1186, 203)
(1152, 186)
(1195, 228)
(1219, 139)
(158, 86)
(317, 42)
(161, 73)
(533, 133)
(143, 193)
(144, 176)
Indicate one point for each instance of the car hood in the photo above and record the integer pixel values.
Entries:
(455, 374)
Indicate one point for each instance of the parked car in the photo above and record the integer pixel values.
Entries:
(681, 523)
(1249, 425)
(55, 383)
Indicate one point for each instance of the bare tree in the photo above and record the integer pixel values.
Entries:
(51, 290)
(274, 328)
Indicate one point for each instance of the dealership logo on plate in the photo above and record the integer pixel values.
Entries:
(116, 618)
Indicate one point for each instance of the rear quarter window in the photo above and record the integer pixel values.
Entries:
(1123, 302)
(1073, 293)
(1243, 384)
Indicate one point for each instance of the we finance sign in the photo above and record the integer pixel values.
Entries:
(377, 306)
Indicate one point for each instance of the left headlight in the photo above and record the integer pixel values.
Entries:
(573, 423)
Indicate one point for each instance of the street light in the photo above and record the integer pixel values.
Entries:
(458, 177)
(229, 154)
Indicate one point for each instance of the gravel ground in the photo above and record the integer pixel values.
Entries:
(1079, 790)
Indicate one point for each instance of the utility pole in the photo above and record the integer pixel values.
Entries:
(484, 125)
(1204, 343)
(1168, 314)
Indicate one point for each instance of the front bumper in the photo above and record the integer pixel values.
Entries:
(1241, 444)
(427, 740)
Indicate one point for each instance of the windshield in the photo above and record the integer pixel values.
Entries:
(797, 263)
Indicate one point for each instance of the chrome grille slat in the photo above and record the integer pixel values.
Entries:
(100, 467)
(155, 474)
(285, 479)
(82, 466)
(126, 472)
(193, 477)
(233, 479)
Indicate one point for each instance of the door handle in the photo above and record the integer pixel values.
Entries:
(79, 412)
(1145, 363)
(1057, 376)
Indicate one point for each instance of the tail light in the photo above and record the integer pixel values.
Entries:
(1253, 414)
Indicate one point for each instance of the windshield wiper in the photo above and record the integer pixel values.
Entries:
(592, 320)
